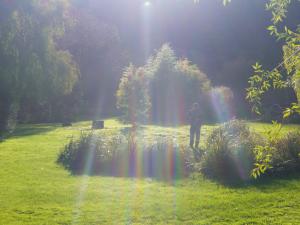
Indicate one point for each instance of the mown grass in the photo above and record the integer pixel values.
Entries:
(35, 190)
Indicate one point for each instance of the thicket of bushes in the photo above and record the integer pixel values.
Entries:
(286, 153)
(287, 148)
(235, 153)
(125, 156)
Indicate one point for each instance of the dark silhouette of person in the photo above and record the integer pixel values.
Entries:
(194, 117)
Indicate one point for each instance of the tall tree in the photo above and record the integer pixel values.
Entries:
(96, 47)
(132, 95)
(165, 88)
(33, 70)
(174, 85)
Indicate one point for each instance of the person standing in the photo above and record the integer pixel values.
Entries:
(194, 117)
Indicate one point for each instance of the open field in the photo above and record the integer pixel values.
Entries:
(35, 190)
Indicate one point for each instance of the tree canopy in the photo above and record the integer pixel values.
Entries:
(33, 70)
(287, 73)
(162, 90)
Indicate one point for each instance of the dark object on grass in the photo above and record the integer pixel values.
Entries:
(66, 124)
(98, 124)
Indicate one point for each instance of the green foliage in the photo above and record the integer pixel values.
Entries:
(295, 108)
(121, 155)
(263, 80)
(229, 154)
(264, 152)
(91, 153)
(165, 88)
(32, 67)
(225, 2)
(174, 86)
(193, 80)
(132, 95)
(279, 9)
(96, 47)
(287, 149)
(280, 154)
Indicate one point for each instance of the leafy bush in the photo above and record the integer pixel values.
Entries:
(125, 156)
(286, 155)
(287, 147)
(229, 152)
(279, 154)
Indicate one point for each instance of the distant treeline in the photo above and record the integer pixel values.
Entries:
(61, 60)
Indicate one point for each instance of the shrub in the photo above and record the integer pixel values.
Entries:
(287, 147)
(285, 157)
(279, 154)
(125, 156)
(89, 154)
(229, 152)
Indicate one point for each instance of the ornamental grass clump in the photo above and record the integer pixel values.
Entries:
(91, 153)
(125, 156)
(229, 154)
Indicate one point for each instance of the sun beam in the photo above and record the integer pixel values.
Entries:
(147, 3)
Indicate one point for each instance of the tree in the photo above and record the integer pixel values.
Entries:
(175, 84)
(96, 48)
(132, 95)
(285, 75)
(262, 80)
(169, 87)
(32, 68)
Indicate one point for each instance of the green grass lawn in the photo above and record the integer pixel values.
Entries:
(35, 190)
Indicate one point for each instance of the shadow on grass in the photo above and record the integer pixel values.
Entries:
(29, 130)
(275, 181)
(265, 183)
(164, 179)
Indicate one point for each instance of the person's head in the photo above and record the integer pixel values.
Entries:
(196, 105)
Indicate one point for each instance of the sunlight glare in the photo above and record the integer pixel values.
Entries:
(147, 3)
